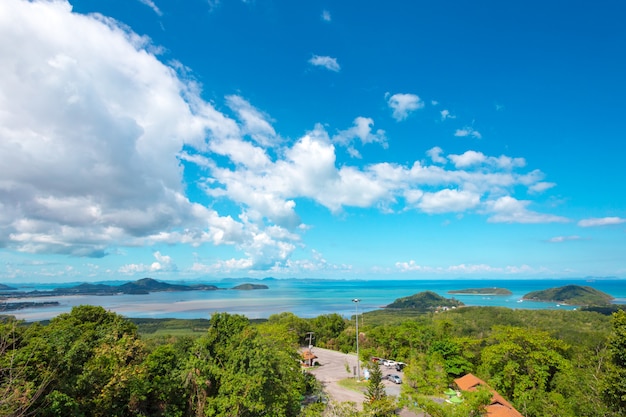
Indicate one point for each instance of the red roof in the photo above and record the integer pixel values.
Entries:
(499, 407)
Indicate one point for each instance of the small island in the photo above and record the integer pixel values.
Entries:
(571, 295)
(247, 287)
(426, 300)
(482, 291)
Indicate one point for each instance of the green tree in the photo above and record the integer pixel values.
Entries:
(24, 372)
(377, 403)
(473, 405)
(522, 364)
(454, 362)
(614, 383)
(234, 371)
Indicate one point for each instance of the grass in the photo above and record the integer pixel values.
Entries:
(352, 384)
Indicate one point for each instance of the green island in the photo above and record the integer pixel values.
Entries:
(426, 300)
(572, 295)
(482, 291)
(95, 363)
(248, 287)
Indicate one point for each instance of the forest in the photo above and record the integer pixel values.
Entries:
(92, 362)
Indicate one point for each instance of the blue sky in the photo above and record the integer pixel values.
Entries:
(228, 138)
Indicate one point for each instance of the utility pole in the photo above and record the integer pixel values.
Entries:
(358, 360)
(310, 336)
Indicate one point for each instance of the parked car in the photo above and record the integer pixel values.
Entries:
(400, 366)
(394, 378)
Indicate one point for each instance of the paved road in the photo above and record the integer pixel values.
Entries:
(333, 369)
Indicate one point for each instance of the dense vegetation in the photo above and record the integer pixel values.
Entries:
(91, 362)
(571, 294)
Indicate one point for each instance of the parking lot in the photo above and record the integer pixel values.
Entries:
(334, 367)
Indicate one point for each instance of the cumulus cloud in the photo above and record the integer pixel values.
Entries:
(448, 200)
(361, 131)
(93, 156)
(468, 131)
(435, 155)
(602, 221)
(473, 158)
(403, 104)
(445, 115)
(510, 210)
(163, 263)
(327, 62)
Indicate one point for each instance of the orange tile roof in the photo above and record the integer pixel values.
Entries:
(499, 407)
(307, 355)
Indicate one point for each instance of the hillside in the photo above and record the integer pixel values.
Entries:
(482, 291)
(5, 288)
(571, 294)
(426, 300)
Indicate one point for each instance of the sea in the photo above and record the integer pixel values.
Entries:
(305, 297)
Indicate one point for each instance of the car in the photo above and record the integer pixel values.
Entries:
(400, 366)
(394, 378)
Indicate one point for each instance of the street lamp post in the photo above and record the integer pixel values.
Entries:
(358, 360)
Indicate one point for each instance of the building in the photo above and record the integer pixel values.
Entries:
(499, 407)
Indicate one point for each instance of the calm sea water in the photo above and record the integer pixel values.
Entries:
(308, 298)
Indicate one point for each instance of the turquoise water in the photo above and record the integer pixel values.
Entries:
(309, 298)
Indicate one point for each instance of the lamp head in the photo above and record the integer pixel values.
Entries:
(356, 300)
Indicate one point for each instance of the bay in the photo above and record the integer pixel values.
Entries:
(306, 298)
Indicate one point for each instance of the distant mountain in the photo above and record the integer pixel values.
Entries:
(6, 288)
(426, 300)
(251, 287)
(142, 286)
(571, 294)
(482, 291)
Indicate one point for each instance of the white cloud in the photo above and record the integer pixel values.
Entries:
(255, 123)
(403, 104)
(468, 131)
(153, 6)
(448, 200)
(473, 158)
(362, 130)
(541, 187)
(326, 16)
(93, 154)
(435, 155)
(510, 210)
(464, 269)
(468, 159)
(326, 62)
(603, 221)
(445, 115)
(163, 263)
